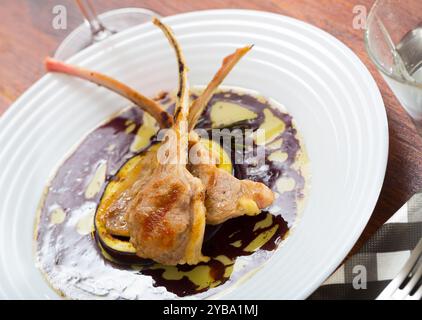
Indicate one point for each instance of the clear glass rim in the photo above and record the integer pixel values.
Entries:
(145, 11)
(377, 63)
(84, 25)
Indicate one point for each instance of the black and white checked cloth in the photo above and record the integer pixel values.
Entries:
(367, 273)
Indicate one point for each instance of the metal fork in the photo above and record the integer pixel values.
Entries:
(407, 285)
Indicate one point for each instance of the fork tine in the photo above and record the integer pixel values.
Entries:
(415, 277)
(417, 295)
(392, 291)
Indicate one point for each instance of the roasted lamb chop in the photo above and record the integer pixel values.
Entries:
(166, 218)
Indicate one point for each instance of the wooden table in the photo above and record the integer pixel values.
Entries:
(27, 36)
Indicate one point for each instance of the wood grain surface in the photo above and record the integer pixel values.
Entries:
(27, 36)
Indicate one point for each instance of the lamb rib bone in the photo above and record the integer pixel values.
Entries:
(145, 103)
(198, 106)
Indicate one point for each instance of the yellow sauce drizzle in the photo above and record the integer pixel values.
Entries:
(200, 275)
(272, 128)
(143, 137)
(277, 144)
(236, 244)
(224, 160)
(285, 184)
(261, 239)
(225, 113)
(97, 181)
(57, 215)
(267, 222)
(130, 128)
(278, 156)
(224, 260)
(85, 224)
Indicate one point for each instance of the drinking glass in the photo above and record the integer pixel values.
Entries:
(393, 39)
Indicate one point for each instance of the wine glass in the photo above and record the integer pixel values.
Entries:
(99, 27)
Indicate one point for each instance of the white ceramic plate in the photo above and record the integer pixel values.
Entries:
(330, 93)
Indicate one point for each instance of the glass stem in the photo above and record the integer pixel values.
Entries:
(98, 30)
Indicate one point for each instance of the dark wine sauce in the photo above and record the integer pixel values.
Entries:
(232, 239)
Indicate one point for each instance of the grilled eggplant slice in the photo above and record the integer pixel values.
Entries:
(116, 247)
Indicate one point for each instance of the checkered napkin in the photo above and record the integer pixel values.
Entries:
(366, 274)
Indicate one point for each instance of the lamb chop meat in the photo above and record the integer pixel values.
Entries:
(226, 196)
(166, 218)
(116, 207)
